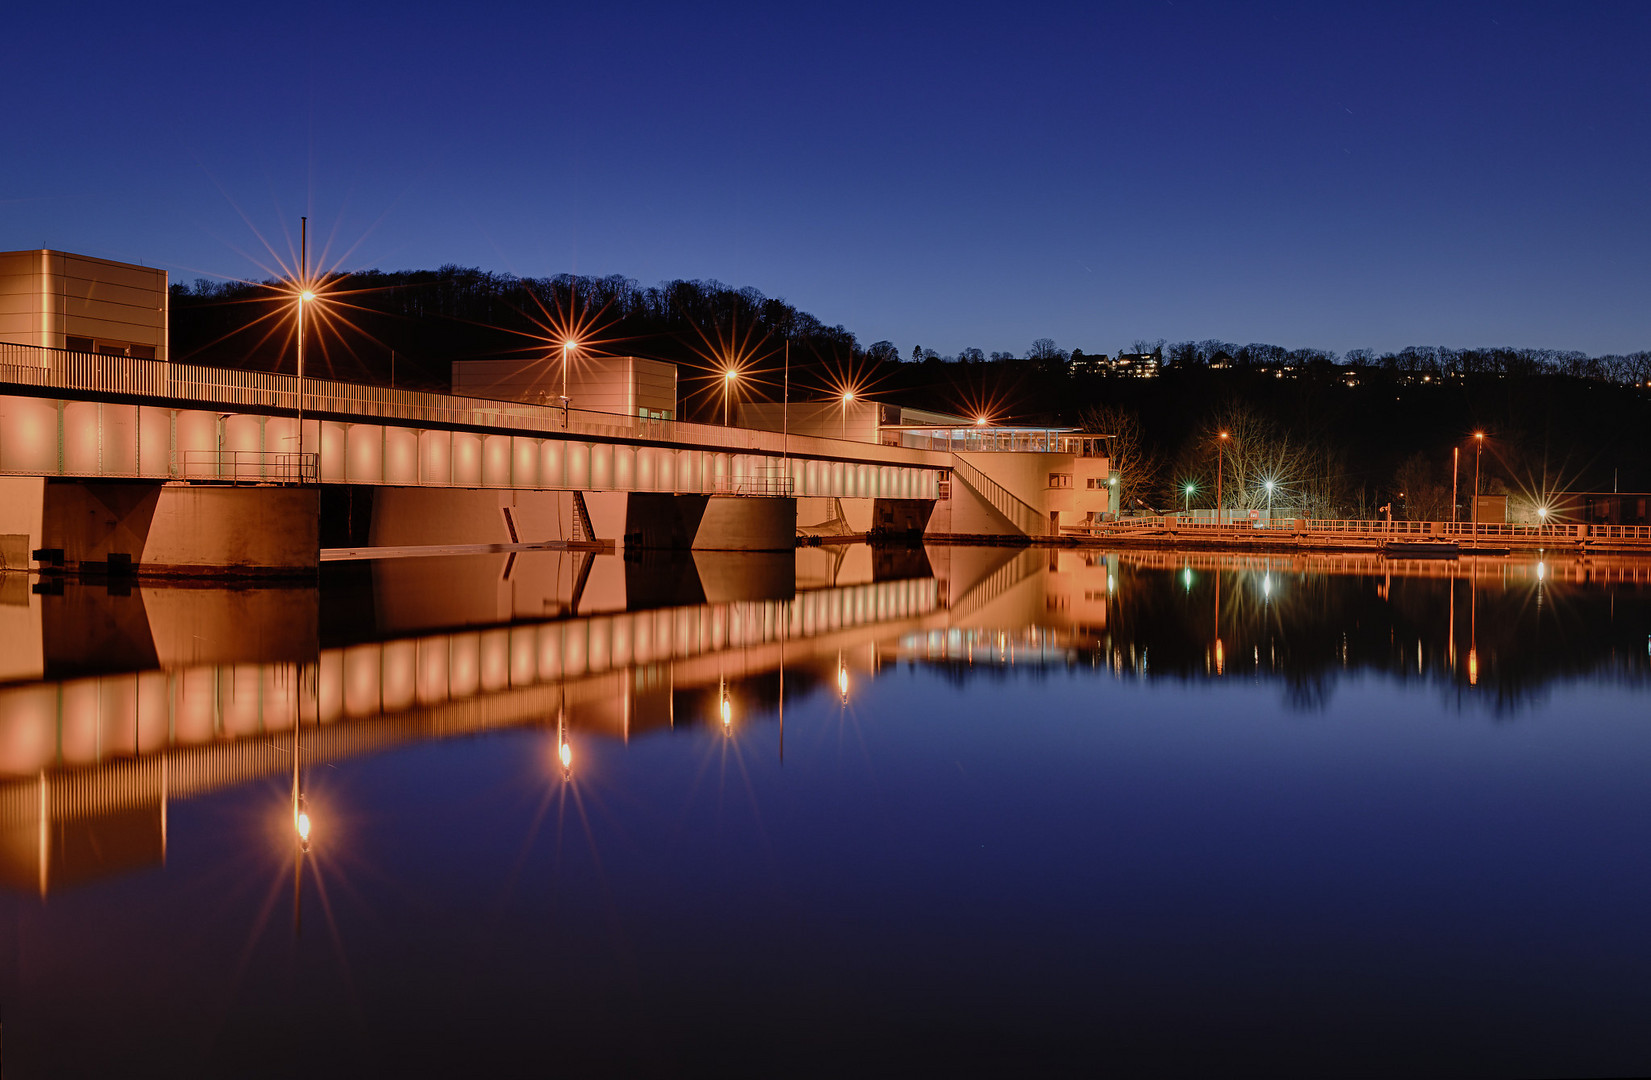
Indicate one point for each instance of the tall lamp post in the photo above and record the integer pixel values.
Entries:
(568, 345)
(1269, 486)
(729, 374)
(1186, 501)
(848, 396)
(1220, 464)
(1478, 450)
(305, 294)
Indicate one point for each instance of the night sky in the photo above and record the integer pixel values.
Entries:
(945, 175)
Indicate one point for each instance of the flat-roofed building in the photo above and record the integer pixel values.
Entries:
(58, 300)
(628, 385)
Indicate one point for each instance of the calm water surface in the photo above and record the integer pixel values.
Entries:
(954, 811)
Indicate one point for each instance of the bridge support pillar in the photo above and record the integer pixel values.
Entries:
(169, 529)
(711, 522)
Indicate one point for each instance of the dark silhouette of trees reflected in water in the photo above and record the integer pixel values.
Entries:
(1495, 637)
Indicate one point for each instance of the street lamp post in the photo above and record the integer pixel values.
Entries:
(568, 346)
(1186, 501)
(1269, 487)
(304, 295)
(848, 396)
(1220, 464)
(728, 377)
(1478, 450)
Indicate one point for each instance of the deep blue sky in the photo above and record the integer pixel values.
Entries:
(946, 175)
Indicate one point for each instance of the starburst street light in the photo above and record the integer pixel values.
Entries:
(568, 346)
(1187, 493)
(848, 396)
(729, 375)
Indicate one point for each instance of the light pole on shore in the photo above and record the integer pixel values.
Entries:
(568, 345)
(1186, 500)
(1220, 464)
(305, 294)
(1269, 486)
(1478, 451)
(848, 396)
(729, 374)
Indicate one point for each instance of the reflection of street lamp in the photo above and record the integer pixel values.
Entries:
(727, 708)
(564, 750)
(842, 681)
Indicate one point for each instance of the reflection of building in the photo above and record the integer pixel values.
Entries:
(61, 301)
(627, 385)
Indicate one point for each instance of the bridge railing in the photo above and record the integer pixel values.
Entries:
(247, 466)
(770, 484)
(122, 376)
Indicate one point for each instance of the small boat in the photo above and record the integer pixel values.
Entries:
(1421, 549)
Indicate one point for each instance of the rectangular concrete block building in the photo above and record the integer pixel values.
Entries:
(61, 301)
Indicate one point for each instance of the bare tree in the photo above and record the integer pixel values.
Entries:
(1134, 468)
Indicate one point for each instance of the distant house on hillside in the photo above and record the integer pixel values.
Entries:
(1138, 365)
(1083, 363)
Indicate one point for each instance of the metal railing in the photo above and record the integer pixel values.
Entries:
(754, 485)
(247, 466)
(91, 373)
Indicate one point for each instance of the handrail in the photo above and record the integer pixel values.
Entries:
(1020, 514)
(247, 466)
(754, 485)
(36, 365)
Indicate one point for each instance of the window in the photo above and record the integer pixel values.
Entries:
(78, 344)
(945, 489)
(1060, 480)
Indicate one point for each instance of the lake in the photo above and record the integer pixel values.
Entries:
(954, 810)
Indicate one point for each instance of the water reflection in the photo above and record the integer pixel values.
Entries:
(121, 701)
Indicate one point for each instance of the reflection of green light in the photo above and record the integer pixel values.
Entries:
(1186, 577)
(1267, 584)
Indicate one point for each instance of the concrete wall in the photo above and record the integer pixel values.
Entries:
(1073, 488)
(182, 529)
(748, 524)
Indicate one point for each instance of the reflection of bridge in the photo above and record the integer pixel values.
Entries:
(107, 752)
(172, 693)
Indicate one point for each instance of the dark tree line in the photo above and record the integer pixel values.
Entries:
(1349, 432)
